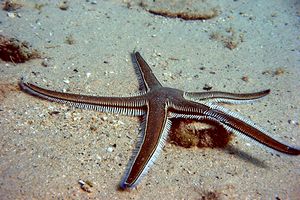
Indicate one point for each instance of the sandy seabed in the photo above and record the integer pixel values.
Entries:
(46, 148)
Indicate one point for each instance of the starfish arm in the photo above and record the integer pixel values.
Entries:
(148, 77)
(225, 97)
(233, 122)
(187, 109)
(133, 106)
(238, 124)
(151, 142)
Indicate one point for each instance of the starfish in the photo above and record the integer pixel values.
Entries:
(158, 105)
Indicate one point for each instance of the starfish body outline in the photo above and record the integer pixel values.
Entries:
(157, 105)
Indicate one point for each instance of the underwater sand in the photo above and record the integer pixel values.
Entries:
(46, 148)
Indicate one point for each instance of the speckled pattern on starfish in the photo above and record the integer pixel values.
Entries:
(158, 105)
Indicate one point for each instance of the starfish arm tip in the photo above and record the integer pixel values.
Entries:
(294, 151)
(268, 91)
(23, 83)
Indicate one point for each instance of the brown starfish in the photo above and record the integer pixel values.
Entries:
(158, 105)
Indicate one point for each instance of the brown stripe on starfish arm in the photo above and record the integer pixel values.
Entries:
(133, 105)
(250, 130)
(217, 96)
(149, 78)
(152, 141)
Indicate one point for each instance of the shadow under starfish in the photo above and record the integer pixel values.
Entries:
(157, 105)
